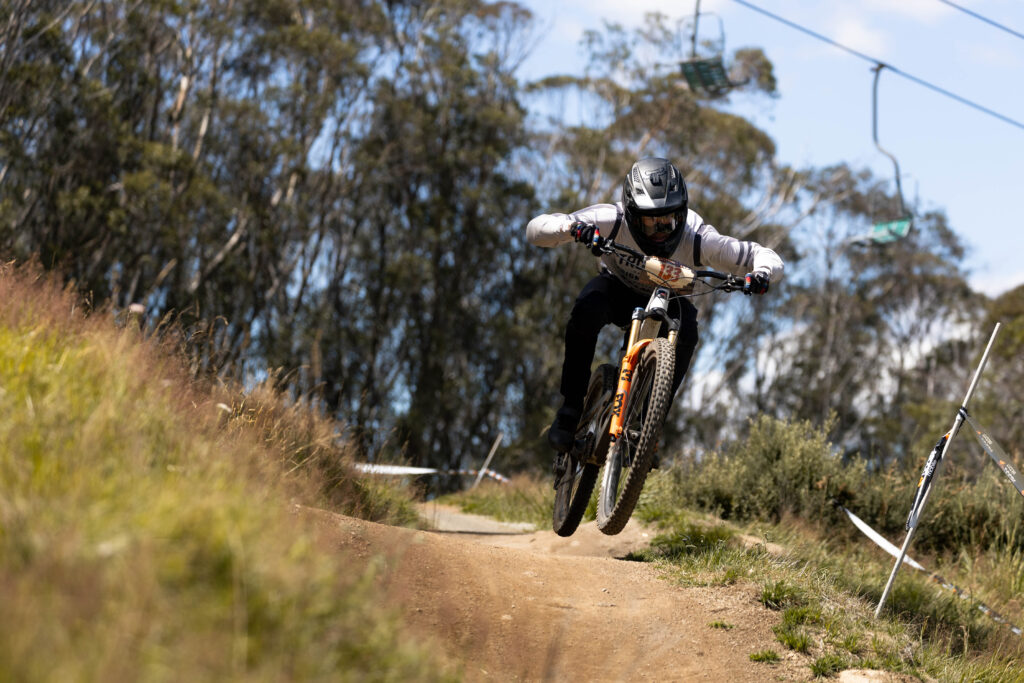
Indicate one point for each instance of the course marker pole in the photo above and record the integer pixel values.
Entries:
(487, 461)
(930, 470)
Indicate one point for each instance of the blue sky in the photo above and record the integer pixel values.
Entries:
(951, 156)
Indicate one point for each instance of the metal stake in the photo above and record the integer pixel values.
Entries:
(952, 434)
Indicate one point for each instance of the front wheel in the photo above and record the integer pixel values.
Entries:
(629, 458)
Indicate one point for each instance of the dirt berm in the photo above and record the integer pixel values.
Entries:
(512, 605)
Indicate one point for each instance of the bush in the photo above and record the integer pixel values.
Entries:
(780, 467)
(791, 468)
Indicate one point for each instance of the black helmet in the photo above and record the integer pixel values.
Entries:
(654, 199)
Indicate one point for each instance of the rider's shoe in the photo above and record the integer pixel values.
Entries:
(563, 429)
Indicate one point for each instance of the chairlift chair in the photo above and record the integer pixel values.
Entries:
(705, 73)
(887, 231)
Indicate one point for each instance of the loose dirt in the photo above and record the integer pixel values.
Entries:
(512, 605)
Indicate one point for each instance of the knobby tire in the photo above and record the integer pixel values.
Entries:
(573, 488)
(629, 458)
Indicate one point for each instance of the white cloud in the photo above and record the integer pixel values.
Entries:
(990, 55)
(925, 11)
(995, 284)
(852, 31)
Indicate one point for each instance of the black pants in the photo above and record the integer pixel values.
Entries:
(606, 300)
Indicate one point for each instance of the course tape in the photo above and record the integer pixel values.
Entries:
(932, 576)
(996, 452)
(372, 468)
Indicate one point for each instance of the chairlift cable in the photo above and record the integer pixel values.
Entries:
(982, 18)
(868, 58)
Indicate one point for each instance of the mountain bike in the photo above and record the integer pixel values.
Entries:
(625, 404)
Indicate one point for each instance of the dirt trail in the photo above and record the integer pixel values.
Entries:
(536, 607)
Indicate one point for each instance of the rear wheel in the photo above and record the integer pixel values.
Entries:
(575, 482)
(629, 458)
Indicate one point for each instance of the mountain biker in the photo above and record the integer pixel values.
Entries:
(658, 222)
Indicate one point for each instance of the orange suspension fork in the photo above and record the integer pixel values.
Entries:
(629, 360)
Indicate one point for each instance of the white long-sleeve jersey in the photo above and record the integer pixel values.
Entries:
(701, 245)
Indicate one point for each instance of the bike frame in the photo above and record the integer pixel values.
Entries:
(646, 323)
(656, 310)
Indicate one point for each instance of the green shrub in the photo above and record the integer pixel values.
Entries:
(785, 468)
(779, 468)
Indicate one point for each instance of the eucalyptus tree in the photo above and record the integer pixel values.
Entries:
(315, 189)
(164, 152)
(416, 332)
(1001, 402)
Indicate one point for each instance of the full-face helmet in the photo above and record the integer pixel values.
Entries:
(655, 202)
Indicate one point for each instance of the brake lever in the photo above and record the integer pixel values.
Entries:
(733, 284)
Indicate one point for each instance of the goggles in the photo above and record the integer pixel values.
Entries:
(658, 228)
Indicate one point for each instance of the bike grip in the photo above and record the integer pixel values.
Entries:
(596, 243)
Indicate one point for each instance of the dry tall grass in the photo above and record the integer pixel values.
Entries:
(147, 526)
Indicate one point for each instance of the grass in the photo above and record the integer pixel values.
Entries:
(525, 498)
(767, 656)
(793, 638)
(828, 665)
(825, 589)
(147, 526)
(798, 616)
(778, 594)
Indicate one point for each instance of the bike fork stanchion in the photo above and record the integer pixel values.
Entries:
(915, 512)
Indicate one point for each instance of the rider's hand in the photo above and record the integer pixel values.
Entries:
(755, 283)
(585, 232)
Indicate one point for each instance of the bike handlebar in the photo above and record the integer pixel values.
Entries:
(730, 283)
